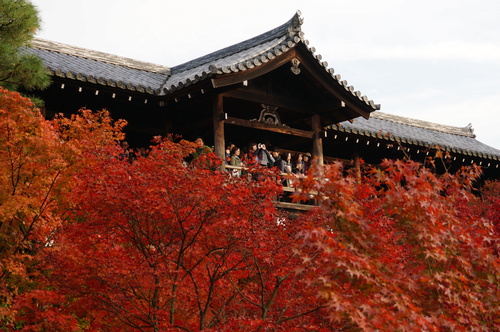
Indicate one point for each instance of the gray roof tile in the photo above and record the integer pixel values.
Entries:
(88, 65)
(421, 133)
(97, 67)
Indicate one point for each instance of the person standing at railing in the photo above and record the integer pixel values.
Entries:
(253, 154)
(278, 162)
(307, 162)
(265, 158)
(236, 161)
(287, 167)
(229, 147)
(298, 164)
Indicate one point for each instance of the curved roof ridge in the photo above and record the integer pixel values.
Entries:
(466, 131)
(292, 25)
(98, 56)
(252, 57)
(252, 53)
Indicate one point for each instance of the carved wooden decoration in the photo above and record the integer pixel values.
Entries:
(269, 115)
(295, 66)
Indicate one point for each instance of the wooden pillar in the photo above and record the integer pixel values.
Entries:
(357, 166)
(318, 139)
(218, 119)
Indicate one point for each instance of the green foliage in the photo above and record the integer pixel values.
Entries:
(18, 23)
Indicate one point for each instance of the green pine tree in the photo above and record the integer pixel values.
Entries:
(19, 22)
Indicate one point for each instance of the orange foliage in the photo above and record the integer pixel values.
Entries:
(92, 242)
(37, 160)
(30, 173)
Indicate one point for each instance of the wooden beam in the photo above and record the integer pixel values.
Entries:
(330, 105)
(261, 97)
(264, 126)
(218, 120)
(241, 76)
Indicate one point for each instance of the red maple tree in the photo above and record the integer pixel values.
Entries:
(158, 245)
(92, 241)
(403, 249)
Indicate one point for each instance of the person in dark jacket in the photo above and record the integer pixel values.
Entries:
(278, 162)
(287, 167)
(307, 162)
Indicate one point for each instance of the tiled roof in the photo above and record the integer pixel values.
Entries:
(252, 53)
(97, 67)
(421, 133)
(106, 69)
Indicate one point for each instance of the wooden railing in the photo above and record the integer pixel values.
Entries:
(286, 189)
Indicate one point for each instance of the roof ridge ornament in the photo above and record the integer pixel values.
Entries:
(469, 126)
(297, 21)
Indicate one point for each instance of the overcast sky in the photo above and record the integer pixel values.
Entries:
(434, 60)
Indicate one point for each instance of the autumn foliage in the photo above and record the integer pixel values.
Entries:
(92, 241)
(404, 249)
(30, 172)
(37, 163)
(159, 245)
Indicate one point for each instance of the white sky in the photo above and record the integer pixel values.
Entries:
(434, 60)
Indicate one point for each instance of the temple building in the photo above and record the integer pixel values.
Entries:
(272, 88)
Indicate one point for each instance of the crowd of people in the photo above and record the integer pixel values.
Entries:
(130, 154)
(258, 154)
(254, 154)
